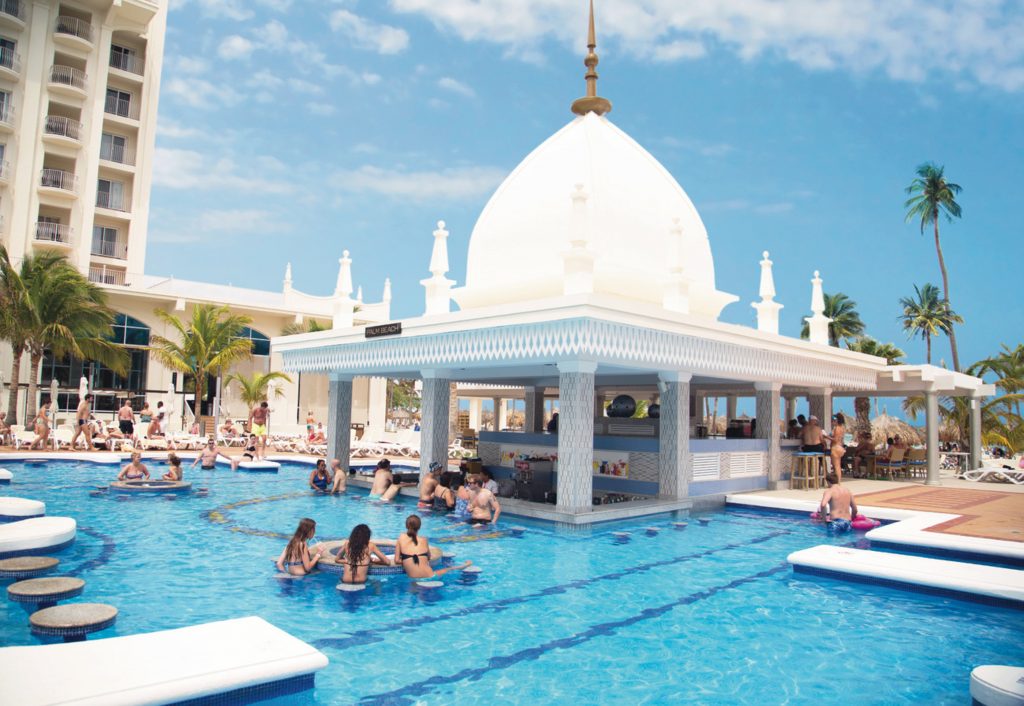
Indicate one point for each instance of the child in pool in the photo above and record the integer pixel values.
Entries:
(296, 559)
(174, 472)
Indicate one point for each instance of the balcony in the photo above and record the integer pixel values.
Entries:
(122, 203)
(121, 108)
(56, 234)
(12, 13)
(74, 32)
(117, 250)
(129, 63)
(118, 156)
(62, 130)
(101, 274)
(6, 117)
(59, 182)
(68, 80)
(5, 172)
(10, 63)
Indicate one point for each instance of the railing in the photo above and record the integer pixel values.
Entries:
(74, 26)
(10, 60)
(126, 62)
(102, 274)
(121, 154)
(13, 8)
(113, 201)
(59, 179)
(64, 127)
(7, 114)
(68, 76)
(5, 170)
(54, 232)
(122, 107)
(106, 248)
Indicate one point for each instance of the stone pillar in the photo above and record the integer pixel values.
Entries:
(790, 409)
(476, 409)
(768, 427)
(820, 403)
(697, 412)
(499, 414)
(534, 412)
(434, 423)
(598, 405)
(730, 408)
(339, 419)
(975, 433)
(674, 436)
(576, 435)
(931, 422)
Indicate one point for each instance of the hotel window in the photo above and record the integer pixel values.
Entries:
(260, 343)
(5, 106)
(118, 102)
(122, 58)
(7, 47)
(110, 194)
(106, 243)
(113, 147)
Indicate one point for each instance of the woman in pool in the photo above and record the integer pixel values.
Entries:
(248, 455)
(42, 427)
(444, 498)
(174, 472)
(135, 470)
(320, 478)
(413, 552)
(462, 501)
(358, 552)
(296, 559)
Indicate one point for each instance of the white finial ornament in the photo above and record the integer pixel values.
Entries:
(767, 308)
(288, 277)
(359, 294)
(343, 304)
(578, 260)
(817, 323)
(438, 293)
(387, 289)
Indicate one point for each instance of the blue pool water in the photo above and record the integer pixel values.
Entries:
(710, 614)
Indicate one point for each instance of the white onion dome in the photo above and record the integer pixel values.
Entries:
(517, 246)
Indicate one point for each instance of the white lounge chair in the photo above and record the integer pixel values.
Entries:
(998, 475)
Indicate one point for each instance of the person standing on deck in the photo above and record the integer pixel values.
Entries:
(82, 425)
(259, 416)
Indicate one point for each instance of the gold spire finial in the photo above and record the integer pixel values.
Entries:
(591, 103)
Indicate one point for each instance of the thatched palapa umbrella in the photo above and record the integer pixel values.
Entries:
(883, 426)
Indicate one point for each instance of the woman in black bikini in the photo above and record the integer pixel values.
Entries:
(295, 559)
(358, 552)
(444, 498)
(413, 552)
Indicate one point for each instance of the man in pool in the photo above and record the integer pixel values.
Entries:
(429, 485)
(135, 470)
(340, 480)
(82, 425)
(258, 418)
(208, 456)
(481, 503)
(838, 508)
(382, 480)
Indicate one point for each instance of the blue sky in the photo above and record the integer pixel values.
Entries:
(291, 130)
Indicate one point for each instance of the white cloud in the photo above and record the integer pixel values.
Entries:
(219, 9)
(909, 40)
(187, 64)
(366, 34)
(455, 86)
(705, 149)
(200, 93)
(320, 108)
(238, 220)
(187, 169)
(168, 129)
(235, 47)
(453, 184)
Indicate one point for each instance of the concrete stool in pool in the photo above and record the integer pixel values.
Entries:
(150, 486)
(26, 567)
(73, 621)
(38, 535)
(470, 574)
(5, 476)
(14, 509)
(45, 592)
(997, 685)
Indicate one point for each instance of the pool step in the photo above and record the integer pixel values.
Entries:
(969, 580)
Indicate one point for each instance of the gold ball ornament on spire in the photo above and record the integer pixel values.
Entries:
(591, 103)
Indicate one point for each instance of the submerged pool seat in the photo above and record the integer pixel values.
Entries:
(205, 660)
(37, 535)
(15, 509)
(997, 685)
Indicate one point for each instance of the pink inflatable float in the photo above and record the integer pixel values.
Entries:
(859, 522)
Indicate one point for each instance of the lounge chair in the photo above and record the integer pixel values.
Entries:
(24, 439)
(998, 475)
(893, 464)
(915, 464)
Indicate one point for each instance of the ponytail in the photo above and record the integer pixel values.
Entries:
(412, 527)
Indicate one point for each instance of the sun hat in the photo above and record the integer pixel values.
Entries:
(435, 466)
(812, 418)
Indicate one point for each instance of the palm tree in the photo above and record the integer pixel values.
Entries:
(999, 424)
(1008, 366)
(48, 305)
(927, 315)
(253, 389)
(208, 344)
(892, 355)
(310, 326)
(845, 325)
(931, 196)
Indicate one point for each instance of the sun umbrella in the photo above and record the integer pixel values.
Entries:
(83, 388)
(169, 404)
(883, 427)
(53, 408)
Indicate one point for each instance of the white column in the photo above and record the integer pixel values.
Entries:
(767, 394)
(790, 408)
(534, 409)
(476, 409)
(931, 421)
(975, 432)
(339, 418)
(576, 435)
(499, 413)
(434, 422)
(698, 412)
(376, 408)
(674, 436)
(730, 408)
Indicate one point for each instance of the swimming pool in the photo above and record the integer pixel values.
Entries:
(709, 614)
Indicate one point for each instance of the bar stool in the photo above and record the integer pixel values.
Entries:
(804, 470)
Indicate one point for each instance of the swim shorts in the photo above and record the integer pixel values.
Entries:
(478, 521)
(126, 426)
(259, 429)
(839, 526)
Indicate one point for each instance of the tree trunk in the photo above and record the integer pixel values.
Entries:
(35, 360)
(862, 409)
(12, 398)
(928, 348)
(945, 289)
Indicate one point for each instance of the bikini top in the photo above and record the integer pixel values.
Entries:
(402, 556)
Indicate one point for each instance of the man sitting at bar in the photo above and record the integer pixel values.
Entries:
(810, 435)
